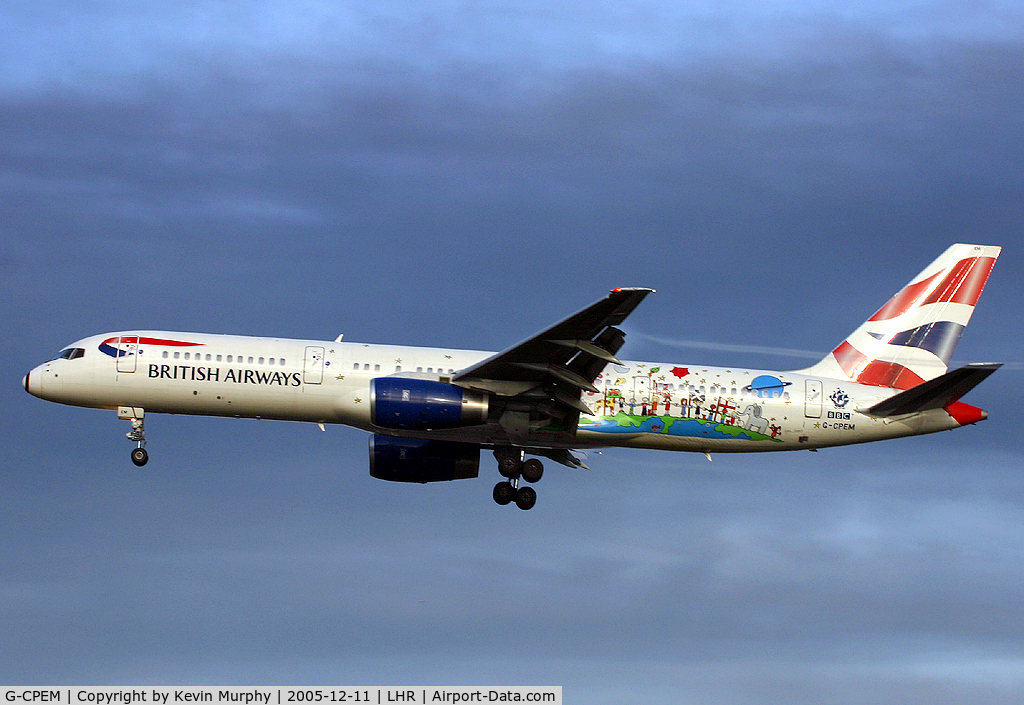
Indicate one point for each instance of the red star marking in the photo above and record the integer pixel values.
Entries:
(680, 371)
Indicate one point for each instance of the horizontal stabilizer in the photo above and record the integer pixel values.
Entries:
(936, 393)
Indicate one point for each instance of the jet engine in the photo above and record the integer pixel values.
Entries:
(421, 404)
(414, 460)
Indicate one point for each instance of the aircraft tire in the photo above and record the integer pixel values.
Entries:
(509, 467)
(526, 497)
(504, 493)
(140, 457)
(532, 470)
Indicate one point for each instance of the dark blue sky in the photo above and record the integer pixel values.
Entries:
(462, 175)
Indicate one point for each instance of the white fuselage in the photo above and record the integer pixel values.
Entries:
(642, 405)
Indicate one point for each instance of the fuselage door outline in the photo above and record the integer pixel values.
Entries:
(313, 365)
(812, 399)
(127, 347)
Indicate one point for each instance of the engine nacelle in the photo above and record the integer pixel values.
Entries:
(422, 404)
(414, 460)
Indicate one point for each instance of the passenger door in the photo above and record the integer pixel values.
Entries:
(313, 365)
(127, 347)
(812, 399)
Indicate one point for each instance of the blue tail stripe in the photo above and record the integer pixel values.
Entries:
(939, 338)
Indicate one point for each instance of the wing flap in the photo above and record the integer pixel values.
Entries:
(571, 352)
(538, 384)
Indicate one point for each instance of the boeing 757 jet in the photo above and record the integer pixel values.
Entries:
(431, 411)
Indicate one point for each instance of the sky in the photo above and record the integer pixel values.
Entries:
(462, 175)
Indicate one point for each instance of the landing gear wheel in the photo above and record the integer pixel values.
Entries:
(532, 470)
(509, 467)
(140, 457)
(526, 497)
(504, 493)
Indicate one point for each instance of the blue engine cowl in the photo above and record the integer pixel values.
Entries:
(414, 460)
(421, 404)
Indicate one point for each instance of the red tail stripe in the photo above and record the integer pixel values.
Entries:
(876, 373)
(905, 299)
(962, 284)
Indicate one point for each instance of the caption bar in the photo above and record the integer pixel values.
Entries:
(280, 695)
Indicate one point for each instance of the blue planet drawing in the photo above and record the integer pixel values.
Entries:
(767, 386)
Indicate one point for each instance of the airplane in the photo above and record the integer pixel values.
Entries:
(431, 411)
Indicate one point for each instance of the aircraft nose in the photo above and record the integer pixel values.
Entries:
(33, 382)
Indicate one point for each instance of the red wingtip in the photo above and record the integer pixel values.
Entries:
(965, 414)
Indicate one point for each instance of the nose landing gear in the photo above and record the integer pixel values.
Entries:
(137, 416)
(139, 456)
(512, 466)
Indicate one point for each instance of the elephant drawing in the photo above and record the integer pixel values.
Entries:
(755, 422)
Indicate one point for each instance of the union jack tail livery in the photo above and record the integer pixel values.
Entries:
(911, 339)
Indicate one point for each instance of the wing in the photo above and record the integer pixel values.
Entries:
(540, 380)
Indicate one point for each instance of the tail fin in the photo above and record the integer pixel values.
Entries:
(911, 339)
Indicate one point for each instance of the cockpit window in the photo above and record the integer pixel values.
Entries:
(70, 354)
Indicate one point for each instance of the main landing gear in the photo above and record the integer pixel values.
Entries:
(138, 433)
(512, 466)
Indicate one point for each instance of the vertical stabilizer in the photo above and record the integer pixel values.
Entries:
(911, 339)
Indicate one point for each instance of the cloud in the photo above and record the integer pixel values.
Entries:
(732, 347)
(464, 176)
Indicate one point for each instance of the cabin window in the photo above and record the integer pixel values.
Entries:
(398, 368)
(166, 354)
(271, 361)
(250, 359)
(419, 369)
(376, 368)
(176, 354)
(261, 360)
(430, 370)
(366, 367)
(355, 366)
(187, 355)
(281, 362)
(229, 358)
(218, 358)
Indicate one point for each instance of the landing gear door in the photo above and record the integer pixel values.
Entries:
(127, 347)
(313, 365)
(812, 399)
